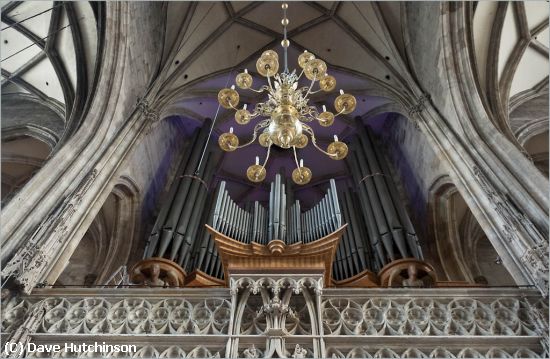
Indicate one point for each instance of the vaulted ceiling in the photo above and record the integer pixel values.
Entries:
(49, 50)
(208, 43)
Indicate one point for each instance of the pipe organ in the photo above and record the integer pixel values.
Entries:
(379, 230)
(181, 217)
(279, 221)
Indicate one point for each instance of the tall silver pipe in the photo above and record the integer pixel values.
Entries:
(271, 212)
(335, 202)
(332, 213)
(223, 224)
(255, 222)
(298, 222)
(219, 201)
(282, 213)
(277, 207)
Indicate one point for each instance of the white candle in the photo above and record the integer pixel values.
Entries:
(335, 138)
(233, 87)
(245, 106)
(230, 129)
(341, 92)
(324, 108)
(301, 163)
(245, 71)
(257, 160)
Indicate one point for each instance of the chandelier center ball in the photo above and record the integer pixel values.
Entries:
(285, 128)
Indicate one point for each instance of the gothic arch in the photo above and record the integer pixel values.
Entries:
(464, 252)
(108, 243)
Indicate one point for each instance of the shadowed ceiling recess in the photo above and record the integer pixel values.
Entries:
(286, 112)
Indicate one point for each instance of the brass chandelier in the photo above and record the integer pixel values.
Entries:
(286, 112)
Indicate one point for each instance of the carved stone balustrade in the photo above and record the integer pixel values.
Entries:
(284, 317)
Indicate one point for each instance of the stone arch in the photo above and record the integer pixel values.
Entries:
(110, 239)
(464, 252)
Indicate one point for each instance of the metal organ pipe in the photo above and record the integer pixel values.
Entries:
(154, 237)
(196, 215)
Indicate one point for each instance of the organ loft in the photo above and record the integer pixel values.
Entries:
(274, 180)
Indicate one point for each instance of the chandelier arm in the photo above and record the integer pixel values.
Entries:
(254, 134)
(300, 76)
(268, 153)
(296, 158)
(339, 113)
(314, 141)
(269, 82)
(311, 86)
(261, 90)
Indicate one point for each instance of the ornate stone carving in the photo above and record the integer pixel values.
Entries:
(439, 352)
(276, 310)
(148, 111)
(151, 352)
(28, 265)
(526, 241)
(128, 316)
(464, 316)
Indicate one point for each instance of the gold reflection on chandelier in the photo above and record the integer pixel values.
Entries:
(286, 112)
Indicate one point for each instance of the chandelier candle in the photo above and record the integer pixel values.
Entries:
(285, 114)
